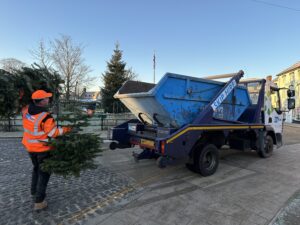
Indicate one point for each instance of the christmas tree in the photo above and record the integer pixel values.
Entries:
(74, 151)
(16, 88)
(113, 78)
(9, 95)
(38, 78)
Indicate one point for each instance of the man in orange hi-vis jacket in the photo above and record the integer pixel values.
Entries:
(39, 126)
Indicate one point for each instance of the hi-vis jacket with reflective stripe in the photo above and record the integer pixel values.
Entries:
(37, 130)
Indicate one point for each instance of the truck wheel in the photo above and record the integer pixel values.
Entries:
(267, 151)
(161, 162)
(113, 145)
(206, 160)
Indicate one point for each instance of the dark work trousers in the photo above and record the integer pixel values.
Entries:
(39, 178)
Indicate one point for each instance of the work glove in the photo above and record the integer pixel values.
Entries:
(67, 129)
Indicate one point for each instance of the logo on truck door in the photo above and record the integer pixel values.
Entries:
(223, 95)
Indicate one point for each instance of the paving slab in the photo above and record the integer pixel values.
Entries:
(245, 190)
(289, 215)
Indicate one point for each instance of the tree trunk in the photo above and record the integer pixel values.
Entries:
(68, 90)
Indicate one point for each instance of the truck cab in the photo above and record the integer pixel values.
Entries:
(272, 112)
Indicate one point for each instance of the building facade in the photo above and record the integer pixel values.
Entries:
(290, 78)
(91, 96)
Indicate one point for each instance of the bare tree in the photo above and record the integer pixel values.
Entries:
(11, 64)
(68, 60)
(42, 54)
(131, 75)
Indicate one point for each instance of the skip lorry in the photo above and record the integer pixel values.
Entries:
(188, 117)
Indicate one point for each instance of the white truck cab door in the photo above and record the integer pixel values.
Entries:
(272, 108)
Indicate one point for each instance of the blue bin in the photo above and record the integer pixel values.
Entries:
(178, 99)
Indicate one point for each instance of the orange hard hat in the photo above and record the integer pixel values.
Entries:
(40, 94)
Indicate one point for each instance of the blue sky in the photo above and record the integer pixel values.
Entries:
(191, 37)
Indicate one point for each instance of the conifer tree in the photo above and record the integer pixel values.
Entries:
(72, 152)
(113, 78)
(36, 78)
(75, 151)
(9, 96)
(16, 88)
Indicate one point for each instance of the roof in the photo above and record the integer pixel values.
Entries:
(135, 87)
(293, 67)
(90, 94)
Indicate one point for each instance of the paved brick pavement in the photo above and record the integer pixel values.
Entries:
(94, 192)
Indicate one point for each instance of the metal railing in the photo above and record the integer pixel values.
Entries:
(110, 121)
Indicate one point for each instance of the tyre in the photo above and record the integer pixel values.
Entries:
(135, 157)
(161, 162)
(206, 159)
(267, 151)
(113, 145)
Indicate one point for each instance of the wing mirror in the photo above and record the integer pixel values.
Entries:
(291, 91)
(291, 99)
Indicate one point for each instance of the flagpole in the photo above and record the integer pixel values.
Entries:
(154, 62)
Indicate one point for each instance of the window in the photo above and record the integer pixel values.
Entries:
(292, 77)
(275, 100)
(284, 79)
(253, 89)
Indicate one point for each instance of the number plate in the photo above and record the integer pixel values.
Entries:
(147, 142)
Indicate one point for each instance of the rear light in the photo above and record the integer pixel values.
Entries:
(162, 147)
